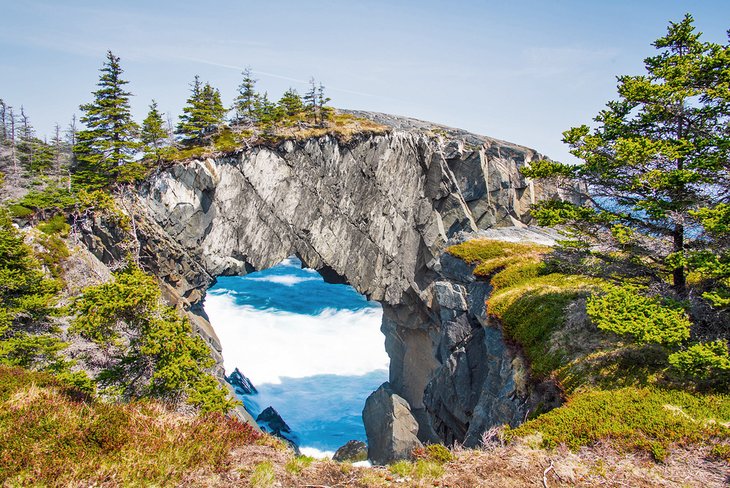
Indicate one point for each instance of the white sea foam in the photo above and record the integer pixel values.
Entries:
(316, 453)
(288, 280)
(267, 345)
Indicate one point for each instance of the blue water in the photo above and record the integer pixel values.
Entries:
(313, 350)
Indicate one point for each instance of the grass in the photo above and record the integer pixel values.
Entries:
(617, 393)
(529, 303)
(263, 475)
(52, 435)
(228, 140)
(296, 465)
(650, 419)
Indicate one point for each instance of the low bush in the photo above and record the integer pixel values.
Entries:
(54, 435)
(649, 419)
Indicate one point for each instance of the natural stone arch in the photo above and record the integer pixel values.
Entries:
(375, 212)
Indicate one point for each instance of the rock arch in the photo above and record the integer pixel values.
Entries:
(375, 212)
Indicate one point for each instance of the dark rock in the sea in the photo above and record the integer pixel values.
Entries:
(270, 421)
(390, 426)
(353, 451)
(245, 391)
(241, 383)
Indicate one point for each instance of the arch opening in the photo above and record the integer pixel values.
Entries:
(312, 349)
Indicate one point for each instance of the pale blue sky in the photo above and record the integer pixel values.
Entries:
(522, 71)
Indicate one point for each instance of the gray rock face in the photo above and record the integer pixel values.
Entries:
(376, 213)
(352, 451)
(391, 428)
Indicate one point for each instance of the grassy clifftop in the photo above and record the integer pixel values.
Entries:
(621, 390)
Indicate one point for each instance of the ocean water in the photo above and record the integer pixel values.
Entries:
(313, 350)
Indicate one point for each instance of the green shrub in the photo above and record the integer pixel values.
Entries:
(53, 435)
(704, 361)
(173, 360)
(633, 419)
(438, 453)
(55, 225)
(19, 211)
(401, 468)
(627, 311)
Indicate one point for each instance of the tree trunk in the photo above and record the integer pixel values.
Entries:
(679, 277)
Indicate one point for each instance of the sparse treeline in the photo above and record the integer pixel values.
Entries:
(111, 148)
(22, 152)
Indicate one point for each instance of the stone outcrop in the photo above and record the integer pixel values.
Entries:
(391, 428)
(375, 212)
(352, 451)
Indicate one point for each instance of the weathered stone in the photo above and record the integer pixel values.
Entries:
(353, 451)
(390, 426)
(375, 212)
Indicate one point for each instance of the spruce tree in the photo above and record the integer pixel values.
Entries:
(203, 113)
(244, 104)
(291, 103)
(105, 149)
(322, 100)
(154, 134)
(657, 170)
(310, 101)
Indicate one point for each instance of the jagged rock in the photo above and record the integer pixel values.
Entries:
(353, 451)
(375, 212)
(241, 383)
(270, 421)
(390, 426)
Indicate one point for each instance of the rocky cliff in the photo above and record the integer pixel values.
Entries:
(375, 212)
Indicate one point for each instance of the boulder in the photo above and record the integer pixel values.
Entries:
(390, 426)
(353, 451)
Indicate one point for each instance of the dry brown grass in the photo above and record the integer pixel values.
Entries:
(516, 465)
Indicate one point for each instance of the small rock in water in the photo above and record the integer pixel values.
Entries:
(353, 451)
(270, 421)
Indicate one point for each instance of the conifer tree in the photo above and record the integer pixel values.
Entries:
(322, 100)
(154, 134)
(105, 149)
(310, 101)
(291, 103)
(657, 169)
(244, 105)
(203, 113)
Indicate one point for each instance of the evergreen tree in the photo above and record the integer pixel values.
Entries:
(203, 113)
(322, 100)
(244, 105)
(310, 101)
(105, 149)
(291, 103)
(154, 134)
(265, 112)
(657, 169)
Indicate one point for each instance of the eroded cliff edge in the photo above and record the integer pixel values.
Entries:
(375, 212)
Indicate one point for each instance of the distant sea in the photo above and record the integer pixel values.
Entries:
(313, 350)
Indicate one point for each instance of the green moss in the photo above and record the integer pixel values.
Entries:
(531, 311)
(480, 251)
(649, 419)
